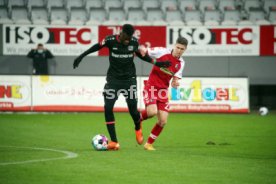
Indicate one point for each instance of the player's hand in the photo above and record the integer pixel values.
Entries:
(175, 83)
(143, 50)
(76, 62)
(160, 64)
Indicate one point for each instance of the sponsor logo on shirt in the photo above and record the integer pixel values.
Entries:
(121, 55)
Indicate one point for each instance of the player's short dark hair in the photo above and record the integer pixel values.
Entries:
(182, 41)
(128, 29)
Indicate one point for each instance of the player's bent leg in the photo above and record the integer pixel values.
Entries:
(151, 110)
(162, 118)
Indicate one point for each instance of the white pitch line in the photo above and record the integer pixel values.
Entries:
(68, 155)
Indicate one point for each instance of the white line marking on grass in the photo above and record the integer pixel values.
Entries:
(68, 155)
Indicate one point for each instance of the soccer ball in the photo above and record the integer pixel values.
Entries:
(263, 111)
(99, 142)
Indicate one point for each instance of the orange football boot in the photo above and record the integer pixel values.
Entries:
(113, 146)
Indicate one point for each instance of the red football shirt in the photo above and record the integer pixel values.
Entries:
(160, 77)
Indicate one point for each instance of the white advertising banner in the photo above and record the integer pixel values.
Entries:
(227, 95)
(217, 41)
(60, 40)
(71, 93)
(15, 93)
(83, 93)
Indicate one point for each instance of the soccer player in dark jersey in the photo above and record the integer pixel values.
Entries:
(121, 78)
(156, 87)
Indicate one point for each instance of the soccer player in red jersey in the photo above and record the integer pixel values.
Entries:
(156, 87)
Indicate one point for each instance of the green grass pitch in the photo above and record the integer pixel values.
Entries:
(244, 150)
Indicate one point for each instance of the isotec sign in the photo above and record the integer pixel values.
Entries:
(217, 41)
(18, 40)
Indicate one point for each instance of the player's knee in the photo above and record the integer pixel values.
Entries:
(152, 113)
(162, 123)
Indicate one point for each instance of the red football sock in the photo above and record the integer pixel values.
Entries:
(144, 115)
(157, 129)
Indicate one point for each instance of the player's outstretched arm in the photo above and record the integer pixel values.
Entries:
(92, 49)
(148, 59)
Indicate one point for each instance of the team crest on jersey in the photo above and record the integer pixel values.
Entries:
(130, 48)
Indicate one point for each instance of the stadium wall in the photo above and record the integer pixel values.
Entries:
(259, 69)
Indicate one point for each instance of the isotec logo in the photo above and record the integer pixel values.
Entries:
(52, 35)
(196, 93)
(10, 91)
(205, 36)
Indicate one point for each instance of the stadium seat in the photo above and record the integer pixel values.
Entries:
(96, 16)
(127, 22)
(129, 4)
(176, 23)
(19, 15)
(77, 16)
(143, 23)
(194, 23)
(150, 4)
(112, 4)
(187, 5)
(248, 4)
(16, 3)
(269, 5)
(226, 5)
(74, 4)
(116, 14)
(229, 23)
(4, 18)
(58, 16)
(159, 23)
(173, 16)
(39, 16)
(168, 5)
(110, 23)
(212, 18)
(154, 15)
(35, 3)
(2, 3)
(207, 5)
(135, 14)
(54, 4)
(258, 17)
(231, 17)
(93, 4)
(212, 15)
(262, 22)
(193, 15)
(245, 23)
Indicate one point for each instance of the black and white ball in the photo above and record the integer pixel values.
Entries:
(263, 111)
